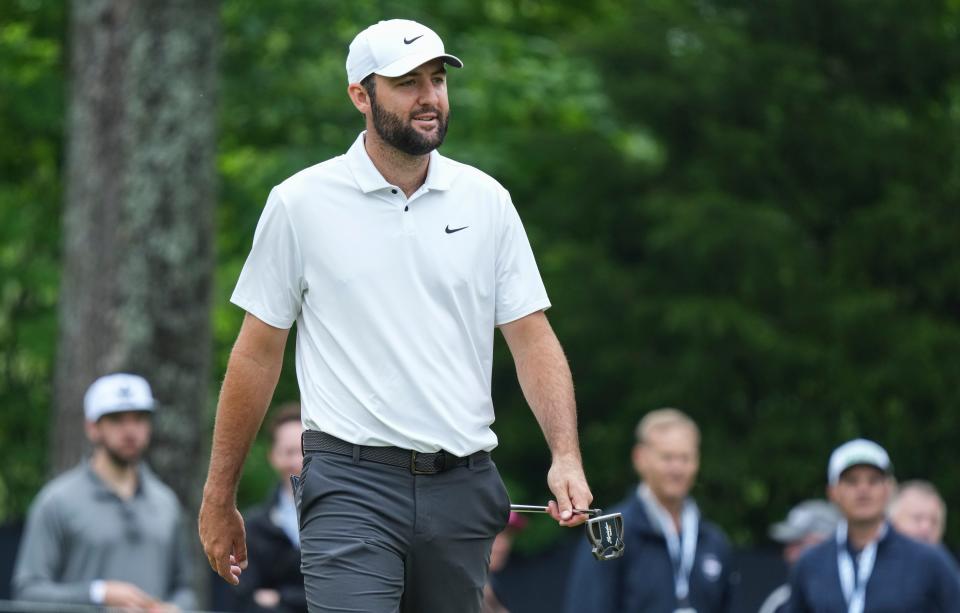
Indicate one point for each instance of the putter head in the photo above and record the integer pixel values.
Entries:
(605, 534)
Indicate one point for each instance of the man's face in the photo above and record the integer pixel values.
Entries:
(411, 112)
(124, 436)
(919, 516)
(286, 457)
(667, 462)
(861, 493)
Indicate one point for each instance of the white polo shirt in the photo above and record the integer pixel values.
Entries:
(395, 299)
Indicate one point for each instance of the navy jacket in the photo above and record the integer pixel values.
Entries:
(908, 577)
(642, 580)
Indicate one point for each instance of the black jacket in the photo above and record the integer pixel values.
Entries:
(908, 577)
(274, 563)
(642, 580)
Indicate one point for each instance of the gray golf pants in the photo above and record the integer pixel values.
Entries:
(379, 539)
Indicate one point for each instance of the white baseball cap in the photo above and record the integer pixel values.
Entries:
(116, 393)
(858, 452)
(394, 48)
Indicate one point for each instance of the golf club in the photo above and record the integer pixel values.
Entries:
(605, 532)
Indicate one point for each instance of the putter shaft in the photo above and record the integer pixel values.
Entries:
(532, 508)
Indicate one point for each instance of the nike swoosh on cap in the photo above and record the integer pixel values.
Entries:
(408, 41)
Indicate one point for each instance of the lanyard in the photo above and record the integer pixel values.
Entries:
(682, 550)
(854, 585)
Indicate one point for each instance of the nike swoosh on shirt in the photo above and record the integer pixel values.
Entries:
(452, 230)
(407, 42)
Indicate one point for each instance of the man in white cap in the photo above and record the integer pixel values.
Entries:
(396, 263)
(867, 566)
(108, 532)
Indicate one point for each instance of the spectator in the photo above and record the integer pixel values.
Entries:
(919, 512)
(108, 532)
(868, 566)
(272, 581)
(674, 560)
(493, 600)
(808, 523)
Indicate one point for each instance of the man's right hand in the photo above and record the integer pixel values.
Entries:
(120, 594)
(223, 538)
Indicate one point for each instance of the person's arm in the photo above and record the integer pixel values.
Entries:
(41, 552)
(730, 579)
(798, 602)
(547, 385)
(293, 596)
(181, 575)
(37, 576)
(252, 374)
(944, 576)
(258, 556)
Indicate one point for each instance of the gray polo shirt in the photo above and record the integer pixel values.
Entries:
(79, 531)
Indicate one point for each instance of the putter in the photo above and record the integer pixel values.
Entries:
(605, 532)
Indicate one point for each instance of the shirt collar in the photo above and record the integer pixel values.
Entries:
(440, 171)
(102, 490)
(653, 507)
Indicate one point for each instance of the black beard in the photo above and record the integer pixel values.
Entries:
(404, 137)
(118, 460)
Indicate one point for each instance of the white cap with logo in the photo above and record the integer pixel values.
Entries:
(117, 393)
(858, 452)
(394, 48)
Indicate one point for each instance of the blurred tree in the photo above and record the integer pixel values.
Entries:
(138, 220)
(31, 121)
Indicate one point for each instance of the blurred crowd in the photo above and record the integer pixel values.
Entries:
(109, 533)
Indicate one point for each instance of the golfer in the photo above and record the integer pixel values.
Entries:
(396, 264)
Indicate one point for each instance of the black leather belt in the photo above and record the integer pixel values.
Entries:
(418, 463)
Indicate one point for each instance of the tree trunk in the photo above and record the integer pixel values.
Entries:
(138, 217)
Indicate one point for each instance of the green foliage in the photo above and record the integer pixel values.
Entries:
(31, 121)
(741, 208)
(782, 272)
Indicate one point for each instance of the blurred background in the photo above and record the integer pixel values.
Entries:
(749, 210)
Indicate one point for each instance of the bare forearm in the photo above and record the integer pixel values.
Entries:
(547, 385)
(546, 382)
(247, 389)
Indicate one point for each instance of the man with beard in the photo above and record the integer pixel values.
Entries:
(108, 532)
(396, 263)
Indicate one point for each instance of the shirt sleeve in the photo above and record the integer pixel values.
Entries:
(271, 284)
(35, 575)
(519, 288)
